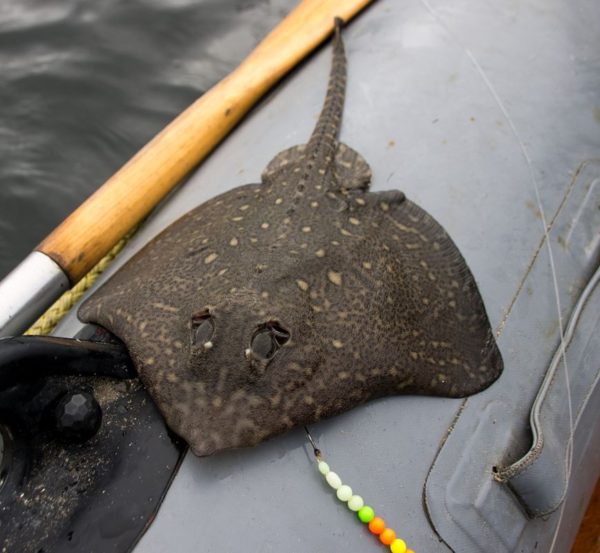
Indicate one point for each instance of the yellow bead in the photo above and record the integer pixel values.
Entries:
(398, 546)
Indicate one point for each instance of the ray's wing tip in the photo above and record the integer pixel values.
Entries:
(492, 366)
(86, 310)
(490, 369)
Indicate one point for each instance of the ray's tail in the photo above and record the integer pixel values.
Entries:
(323, 141)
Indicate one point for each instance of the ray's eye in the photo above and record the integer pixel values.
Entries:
(203, 328)
(268, 339)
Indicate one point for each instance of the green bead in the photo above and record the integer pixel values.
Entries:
(366, 514)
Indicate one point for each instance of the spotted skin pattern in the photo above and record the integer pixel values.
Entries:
(374, 296)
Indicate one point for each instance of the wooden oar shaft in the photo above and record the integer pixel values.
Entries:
(82, 239)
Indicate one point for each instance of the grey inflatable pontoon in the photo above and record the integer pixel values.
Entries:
(488, 116)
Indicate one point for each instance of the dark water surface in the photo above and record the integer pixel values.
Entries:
(85, 83)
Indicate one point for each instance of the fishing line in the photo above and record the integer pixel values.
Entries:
(534, 182)
(356, 504)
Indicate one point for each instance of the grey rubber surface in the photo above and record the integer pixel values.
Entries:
(488, 116)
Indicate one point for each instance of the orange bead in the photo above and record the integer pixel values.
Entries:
(387, 536)
(409, 551)
(377, 525)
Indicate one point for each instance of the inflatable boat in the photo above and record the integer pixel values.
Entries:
(485, 115)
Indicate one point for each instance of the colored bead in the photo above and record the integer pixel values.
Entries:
(333, 480)
(377, 525)
(355, 503)
(398, 546)
(323, 468)
(344, 493)
(366, 514)
(387, 536)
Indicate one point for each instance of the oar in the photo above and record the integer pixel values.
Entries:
(82, 239)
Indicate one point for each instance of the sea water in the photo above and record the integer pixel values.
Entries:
(85, 83)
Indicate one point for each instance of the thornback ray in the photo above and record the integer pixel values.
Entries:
(277, 304)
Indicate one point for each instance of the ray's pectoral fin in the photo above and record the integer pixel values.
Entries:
(99, 307)
(445, 342)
